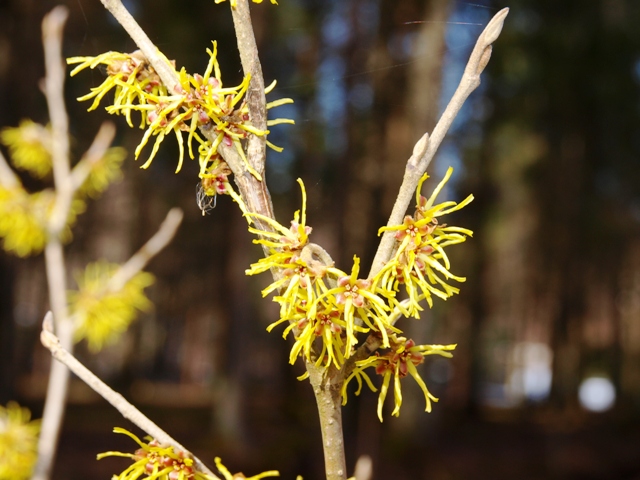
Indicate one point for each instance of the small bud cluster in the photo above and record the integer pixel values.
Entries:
(102, 314)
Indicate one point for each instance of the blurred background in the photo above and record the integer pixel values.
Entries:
(545, 381)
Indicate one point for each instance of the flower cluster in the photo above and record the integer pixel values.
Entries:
(18, 442)
(320, 302)
(154, 461)
(101, 313)
(326, 308)
(198, 102)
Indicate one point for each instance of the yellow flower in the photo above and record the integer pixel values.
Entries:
(129, 73)
(234, 3)
(327, 324)
(421, 263)
(283, 243)
(285, 246)
(360, 303)
(399, 362)
(155, 462)
(103, 315)
(239, 476)
(29, 145)
(18, 442)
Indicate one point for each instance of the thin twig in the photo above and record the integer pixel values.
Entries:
(98, 148)
(426, 148)
(8, 179)
(423, 152)
(327, 387)
(52, 27)
(254, 192)
(50, 341)
(140, 259)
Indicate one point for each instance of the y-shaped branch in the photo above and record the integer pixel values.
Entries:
(423, 152)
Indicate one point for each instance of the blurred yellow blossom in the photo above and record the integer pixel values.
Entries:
(23, 220)
(24, 216)
(29, 145)
(102, 315)
(18, 442)
(104, 172)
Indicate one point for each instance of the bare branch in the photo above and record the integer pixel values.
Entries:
(128, 411)
(52, 27)
(257, 197)
(426, 148)
(140, 259)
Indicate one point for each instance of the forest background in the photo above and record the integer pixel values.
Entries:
(549, 146)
